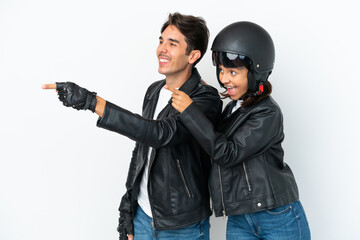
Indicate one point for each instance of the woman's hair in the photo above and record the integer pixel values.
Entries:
(252, 100)
(193, 28)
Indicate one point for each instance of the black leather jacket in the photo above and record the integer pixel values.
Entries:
(248, 174)
(179, 168)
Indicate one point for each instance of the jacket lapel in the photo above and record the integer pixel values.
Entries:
(191, 83)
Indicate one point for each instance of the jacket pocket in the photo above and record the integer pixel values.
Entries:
(247, 177)
(183, 178)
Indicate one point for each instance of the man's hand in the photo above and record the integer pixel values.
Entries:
(72, 95)
(126, 226)
(180, 100)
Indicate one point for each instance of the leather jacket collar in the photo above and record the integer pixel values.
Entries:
(192, 82)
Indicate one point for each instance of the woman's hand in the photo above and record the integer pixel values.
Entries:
(180, 100)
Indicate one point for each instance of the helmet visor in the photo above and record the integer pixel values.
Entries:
(230, 60)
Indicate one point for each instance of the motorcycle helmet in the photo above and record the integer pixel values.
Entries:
(245, 44)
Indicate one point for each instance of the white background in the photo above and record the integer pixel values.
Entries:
(61, 177)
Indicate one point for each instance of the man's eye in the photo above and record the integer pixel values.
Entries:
(173, 45)
(233, 73)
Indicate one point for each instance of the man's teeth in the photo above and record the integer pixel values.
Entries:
(164, 60)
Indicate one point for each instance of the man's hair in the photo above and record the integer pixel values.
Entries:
(193, 28)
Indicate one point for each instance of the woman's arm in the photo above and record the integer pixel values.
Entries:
(250, 138)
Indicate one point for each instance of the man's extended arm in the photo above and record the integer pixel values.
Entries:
(154, 133)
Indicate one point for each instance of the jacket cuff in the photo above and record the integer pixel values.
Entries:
(189, 113)
(101, 122)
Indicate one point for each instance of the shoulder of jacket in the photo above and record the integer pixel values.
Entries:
(155, 85)
(268, 104)
(205, 88)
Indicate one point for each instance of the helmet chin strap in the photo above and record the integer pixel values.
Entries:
(256, 84)
(248, 94)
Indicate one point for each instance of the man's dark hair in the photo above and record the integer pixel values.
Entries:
(193, 28)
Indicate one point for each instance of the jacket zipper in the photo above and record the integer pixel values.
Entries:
(183, 177)
(212, 202)
(150, 165)
(246, 177)
(220, 179)
(222, 194)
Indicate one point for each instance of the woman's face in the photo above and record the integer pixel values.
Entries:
(235, 80)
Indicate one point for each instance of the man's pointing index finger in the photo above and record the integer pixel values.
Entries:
(49, 86)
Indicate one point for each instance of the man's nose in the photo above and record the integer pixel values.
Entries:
(163, 48)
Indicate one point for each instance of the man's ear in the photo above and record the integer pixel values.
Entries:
(194, 55)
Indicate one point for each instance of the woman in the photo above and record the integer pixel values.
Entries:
(249, 180)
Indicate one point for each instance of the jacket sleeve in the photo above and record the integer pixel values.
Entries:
(250, 139)
(157, 133)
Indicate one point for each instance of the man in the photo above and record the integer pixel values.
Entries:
(167, 191)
